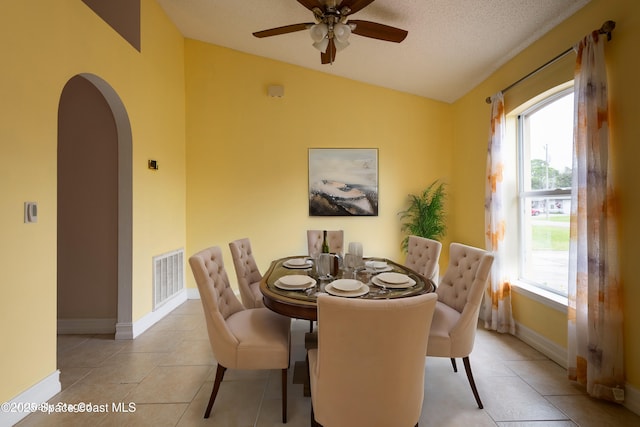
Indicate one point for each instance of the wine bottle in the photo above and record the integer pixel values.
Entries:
(325, 244)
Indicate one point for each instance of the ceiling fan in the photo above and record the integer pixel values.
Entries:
(331, 30)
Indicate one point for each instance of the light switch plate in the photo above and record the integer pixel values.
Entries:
(30, 212)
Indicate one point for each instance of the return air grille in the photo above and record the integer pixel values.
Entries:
(168, 276)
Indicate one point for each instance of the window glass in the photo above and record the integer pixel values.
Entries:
(545, 134)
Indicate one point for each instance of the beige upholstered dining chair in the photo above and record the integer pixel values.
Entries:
(423, 255)
(455, 320)
(335, 240)
(240, 338)
(368, 367)
(247, 273)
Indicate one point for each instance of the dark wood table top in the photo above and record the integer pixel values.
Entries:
(301, 304)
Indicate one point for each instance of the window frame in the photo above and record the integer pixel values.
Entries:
(523, 195)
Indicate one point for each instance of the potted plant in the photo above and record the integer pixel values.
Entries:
(425, 216)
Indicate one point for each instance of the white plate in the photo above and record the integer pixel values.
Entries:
(364, 289)
(347, 285)
(295, 282)
(382, 284)
(376, 265)
(393, 278)
(298, 263)
(379, 270)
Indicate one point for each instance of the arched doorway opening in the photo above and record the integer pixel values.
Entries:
(94, 209)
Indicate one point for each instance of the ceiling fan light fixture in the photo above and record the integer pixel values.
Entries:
(319, 32)
(341, 32)
(322, 45)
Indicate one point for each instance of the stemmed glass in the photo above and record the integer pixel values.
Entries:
(350, 264)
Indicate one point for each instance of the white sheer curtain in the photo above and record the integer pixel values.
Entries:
(497, 309)
(595, 300)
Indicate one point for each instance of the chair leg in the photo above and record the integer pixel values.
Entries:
(216, 386)
(310, 326)
(453, 363)
(284, 396)
(314, 423)
(467, 367)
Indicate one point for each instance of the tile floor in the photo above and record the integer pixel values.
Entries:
(167, 373)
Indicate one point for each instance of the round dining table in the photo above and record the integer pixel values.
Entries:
(301, 304)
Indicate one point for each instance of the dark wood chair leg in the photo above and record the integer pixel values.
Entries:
(310, 326)
(467, 367)
(453, 363)
(314, 423)
(284, 396)
(216, 386)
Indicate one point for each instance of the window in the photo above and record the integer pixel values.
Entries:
(545, 152)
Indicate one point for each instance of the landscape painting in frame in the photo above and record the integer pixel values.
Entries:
(343, 181)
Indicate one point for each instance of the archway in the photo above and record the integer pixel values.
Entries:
(94, 209)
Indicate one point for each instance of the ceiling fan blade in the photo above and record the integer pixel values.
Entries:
(329, 56)
(283, 30)
(355, 5)
(378, 31)
(311, 4)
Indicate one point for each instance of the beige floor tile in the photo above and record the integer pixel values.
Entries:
(192, 306)
(62, 419)
(154, 342)
(178, 322)
(589, 412)
(170, 384)
(66, 342)
(538, 424)
(189, 352)
(69, 376)
(512, 399)
(237, 404)
(545, 376)
(146, 415)
(125, 368)
(91, 352)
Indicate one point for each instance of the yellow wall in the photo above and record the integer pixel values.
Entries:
(44, 44)
(471, 117)
(247, 153)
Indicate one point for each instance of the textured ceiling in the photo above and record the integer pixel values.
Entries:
(452, 45)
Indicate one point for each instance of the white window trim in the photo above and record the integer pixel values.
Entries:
(542, 296)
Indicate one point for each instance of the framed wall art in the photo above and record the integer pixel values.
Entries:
(343, 181)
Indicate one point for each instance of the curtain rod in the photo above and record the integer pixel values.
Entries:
(606, 28)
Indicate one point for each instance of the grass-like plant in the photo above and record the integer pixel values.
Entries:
(425, 216)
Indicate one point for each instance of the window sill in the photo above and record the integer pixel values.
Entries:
(546, 298)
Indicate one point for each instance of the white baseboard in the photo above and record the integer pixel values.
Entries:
(192, 293)
(545, 346)
(86, 326)
(559, 355)
(129, 331)
(38, 393)
(632, 399)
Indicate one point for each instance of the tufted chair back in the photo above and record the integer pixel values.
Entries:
(423, 256)
(218, 300)
(335, 240)
(462, 285)
(247, 273)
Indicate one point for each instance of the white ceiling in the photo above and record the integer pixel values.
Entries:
(452, 45)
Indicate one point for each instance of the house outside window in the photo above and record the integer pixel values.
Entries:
(545, 150)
